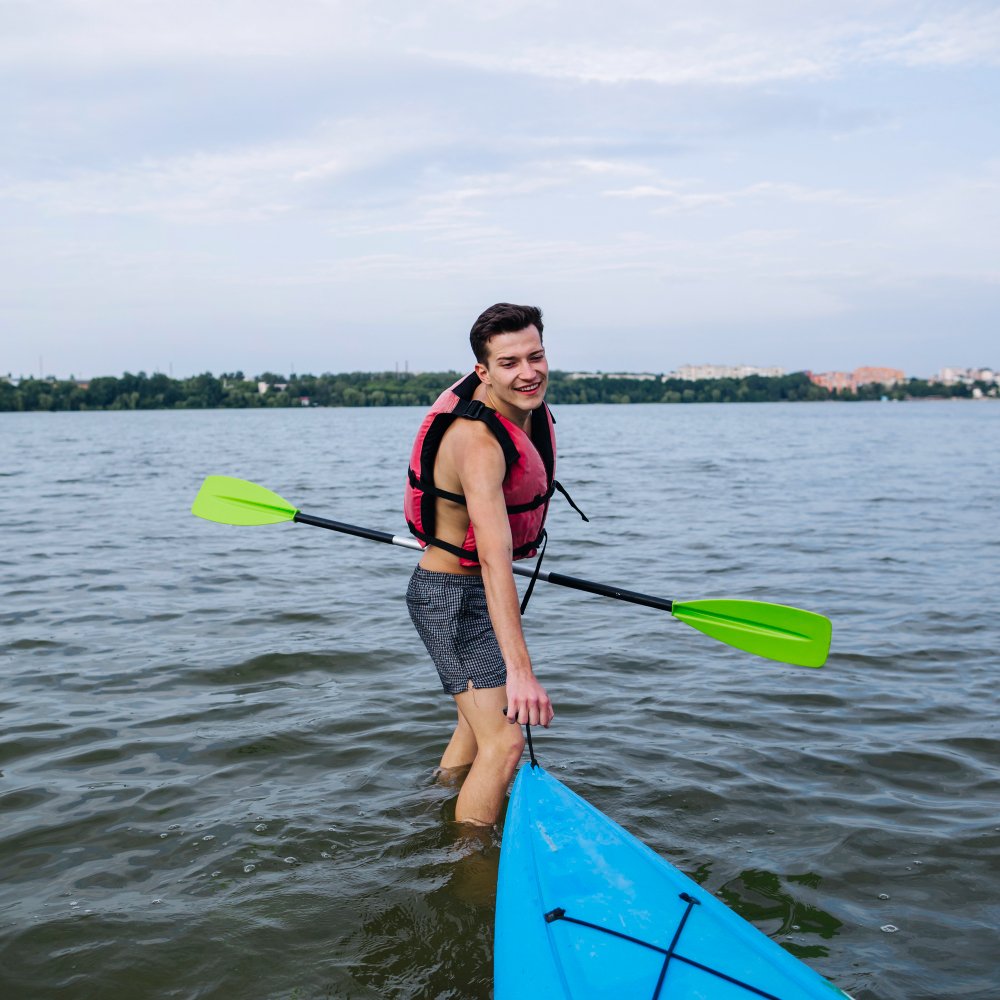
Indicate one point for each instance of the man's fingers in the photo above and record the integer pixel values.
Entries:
(531, 711)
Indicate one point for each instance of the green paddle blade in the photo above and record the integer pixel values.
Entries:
(775, 631)
(236, 501)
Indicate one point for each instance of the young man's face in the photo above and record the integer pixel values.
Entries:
(516, 371)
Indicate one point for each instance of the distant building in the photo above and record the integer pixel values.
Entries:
(886, 376)
(840, 381)
(952, 376)
(262, 387)
(698, 373)
(834, 381)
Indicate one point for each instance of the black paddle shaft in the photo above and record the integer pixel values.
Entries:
(573, 582)
(632, 596)
(344, 528)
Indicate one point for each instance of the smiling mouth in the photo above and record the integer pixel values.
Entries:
(528, 388)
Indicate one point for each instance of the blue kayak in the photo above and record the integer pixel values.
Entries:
(585, 911)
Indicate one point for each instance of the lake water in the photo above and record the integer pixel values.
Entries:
(218, 744)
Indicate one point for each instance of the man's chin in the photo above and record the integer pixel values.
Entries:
(530, 404)
(530, 401)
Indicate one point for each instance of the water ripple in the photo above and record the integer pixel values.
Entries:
(218, 744)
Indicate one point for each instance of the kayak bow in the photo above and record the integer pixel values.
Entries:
(586, 911)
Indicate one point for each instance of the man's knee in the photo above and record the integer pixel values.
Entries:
(516, 741)
(506, 745)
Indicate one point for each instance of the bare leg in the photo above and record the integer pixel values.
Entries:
(461, 751)
(499, 744)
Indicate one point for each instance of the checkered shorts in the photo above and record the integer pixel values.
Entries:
(450, 614)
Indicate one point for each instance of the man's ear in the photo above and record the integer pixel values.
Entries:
(481, 371)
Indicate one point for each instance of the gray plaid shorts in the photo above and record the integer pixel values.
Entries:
(449, 612)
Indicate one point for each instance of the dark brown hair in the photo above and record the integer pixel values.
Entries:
(502, 318)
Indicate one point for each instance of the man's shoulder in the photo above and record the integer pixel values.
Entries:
(468, 441)
(469, 431)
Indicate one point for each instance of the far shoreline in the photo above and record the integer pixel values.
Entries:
(379, 389)
(416, 406)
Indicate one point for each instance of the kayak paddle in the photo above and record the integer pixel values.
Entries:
(774, 631)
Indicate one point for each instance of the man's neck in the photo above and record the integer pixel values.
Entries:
(518, 417)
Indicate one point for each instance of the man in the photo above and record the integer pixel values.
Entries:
(481, 476)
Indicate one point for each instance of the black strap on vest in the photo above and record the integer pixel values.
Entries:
(470, 409)
(517, 508)
(472, 554)
(535, 502)
(534, 576)
(556, 485)
(473, 409)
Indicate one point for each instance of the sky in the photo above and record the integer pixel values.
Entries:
(317, 185)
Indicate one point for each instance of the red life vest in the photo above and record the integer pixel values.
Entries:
(527, 486)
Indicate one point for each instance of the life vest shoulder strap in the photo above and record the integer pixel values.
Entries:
(469, 409)
(474, 409)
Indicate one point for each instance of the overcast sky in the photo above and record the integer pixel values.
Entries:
(326, 186)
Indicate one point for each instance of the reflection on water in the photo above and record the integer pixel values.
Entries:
(760, 897)
(442, 913)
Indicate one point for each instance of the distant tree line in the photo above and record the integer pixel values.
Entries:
(752, 389)
(232, 389)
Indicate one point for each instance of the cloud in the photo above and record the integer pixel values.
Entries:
(95, 33)
(732, 60)
(247, 183)
(964, 37)
(671, 198)
(741, 48)
(674, 198)
(723, 43)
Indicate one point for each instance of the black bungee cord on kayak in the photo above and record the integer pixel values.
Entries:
(669, 954)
